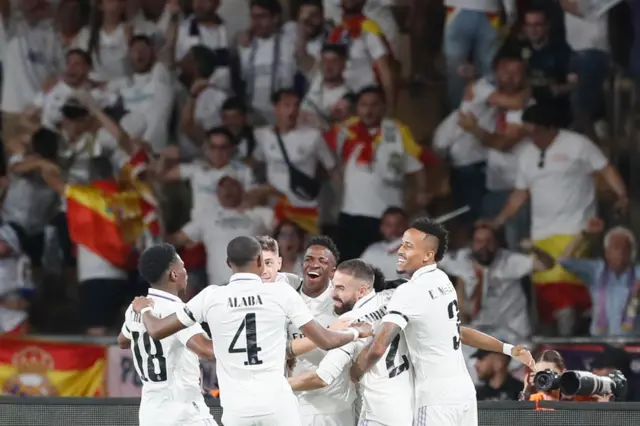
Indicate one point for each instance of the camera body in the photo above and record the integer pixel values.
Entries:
(582, 383)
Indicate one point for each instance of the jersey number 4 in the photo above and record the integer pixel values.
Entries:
(454, 312)
(156, 367)
(251, 348)
(390, 360)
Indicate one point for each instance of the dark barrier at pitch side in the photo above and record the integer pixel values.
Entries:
(35, 411)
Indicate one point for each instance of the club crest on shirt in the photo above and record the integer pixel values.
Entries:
(32, 364)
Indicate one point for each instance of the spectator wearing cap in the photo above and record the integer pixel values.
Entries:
(371, 60)
(498, 383)
(267, 59)
(489, 284)
(324, 103)
(312, 31)
(384, 253)
(148, 91)
(16, 289)
(216, 230)
(613, 281)
(377, 154)
(556, 172)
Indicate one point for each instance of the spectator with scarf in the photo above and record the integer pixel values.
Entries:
(613, 281)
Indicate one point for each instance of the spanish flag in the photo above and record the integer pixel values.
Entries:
(105, 220)
(41, 368)
(305, 217)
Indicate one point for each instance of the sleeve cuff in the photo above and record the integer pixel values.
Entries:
(189, 332)
(303, 320)
(325, 376)
(186, 317)
(396, 318)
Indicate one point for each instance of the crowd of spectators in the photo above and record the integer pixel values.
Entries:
(223, 118)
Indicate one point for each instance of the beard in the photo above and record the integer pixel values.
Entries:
(484, 257)
(346, 307)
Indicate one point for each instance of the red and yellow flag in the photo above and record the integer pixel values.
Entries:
(305, 217)
(41, 368)
(105, 220)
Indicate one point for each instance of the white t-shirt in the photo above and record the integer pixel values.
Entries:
(155, 30)
(386, 389)
(563, 193)
(583, 34)
(503, 304)
(363, 52)
(111, 62)
(204, 182)
(384, 255)
(51, 103)
(426, 308)
(247, 319)
(305, 147)
(339, 395)
(169, 371)
(502, 166)
(216, 229)
(15, 275)
(321, 99)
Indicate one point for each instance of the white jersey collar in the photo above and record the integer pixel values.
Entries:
(154, 292)
(365, 299)
(424, 270)
(244, 276)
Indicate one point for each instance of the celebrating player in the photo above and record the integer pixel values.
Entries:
(273, 263)
(387, 389)
(247, 319)
(426, 308)
(169, 368)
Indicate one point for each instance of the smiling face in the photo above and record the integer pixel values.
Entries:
(272, 264)
(318, 267)
(346, 291)
(415, 252)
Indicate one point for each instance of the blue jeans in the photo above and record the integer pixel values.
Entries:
(468, 34)
(516, 228)
(592, 67)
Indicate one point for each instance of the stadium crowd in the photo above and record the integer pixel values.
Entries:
(198, 121)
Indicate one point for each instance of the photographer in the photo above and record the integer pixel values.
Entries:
(552, 362)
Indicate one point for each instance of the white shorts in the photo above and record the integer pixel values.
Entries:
(344, 418)
(286, 416)
(195, 413)
(448, 415)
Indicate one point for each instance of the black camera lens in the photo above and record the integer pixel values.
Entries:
(546, 381)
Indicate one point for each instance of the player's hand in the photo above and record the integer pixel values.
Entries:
(140, 302)
(341, 324)
(523, 355)
(364, 329)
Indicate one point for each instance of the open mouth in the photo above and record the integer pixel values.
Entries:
(313, 274)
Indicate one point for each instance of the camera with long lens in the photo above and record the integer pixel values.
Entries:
(546, 381)
(585, 383)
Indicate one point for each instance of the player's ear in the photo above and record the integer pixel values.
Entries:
(228, 264)
(173, 275)
(279, 263)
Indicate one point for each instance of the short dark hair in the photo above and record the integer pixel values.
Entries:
(142, 38)
(234, 104)
(44, 142)
(378, 277)
(221, 131)
(272, 6)
(395, 210)
(326, 242)
(337, 48)
(546, 114)
(371, 90)
(277, 96)
(82, 53)
(155, 261)
(268, 244)
(205, 60)
(508, 53)
(358, 269)
(241, 251)
(316, 3)
(434, 229)
(298, 230)
(540, 10)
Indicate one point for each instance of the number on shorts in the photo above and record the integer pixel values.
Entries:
(392, 368)
(251, 340)
(142, 342)
(454, 312)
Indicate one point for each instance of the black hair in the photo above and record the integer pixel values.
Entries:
(378, 279)
(371, 90)
(221, 131)
(391, 284)
(539, 9)
(74, 110)
(155, 261)
(82, 53)
(297, 229)
(508, 53)
(234, 104)
(143, 38)
(316, 3)
(545, 115)
(277, 96)
(272, 6)
(434, 229)
(395, 210)
(205, 60)
(326, 242)
(44, 142)
(358, 269)
(339, 49)
(101, 168)
(241, 251)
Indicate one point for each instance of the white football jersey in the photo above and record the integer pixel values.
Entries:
(386, 389)
(340, 394)
(169, 371)
(247, 319)
(426, 308)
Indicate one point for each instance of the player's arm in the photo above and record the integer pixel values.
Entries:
(158, 328)
(479, 340)
(124, 338)
(202, 346)
(331, 366)
(304, 345)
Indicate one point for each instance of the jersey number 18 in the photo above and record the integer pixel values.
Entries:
(251, 348)
(156, 366)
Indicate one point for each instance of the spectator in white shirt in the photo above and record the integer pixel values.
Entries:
(215, 231)
(384, 254)
(16, 288)
(290, 238)
(324, 103)
(71, 18)
(107, 40)
(33, 56)
(556, 171)
(267, 60)
(312, 32)
(148, 91)
(152, 19)
(205, 175)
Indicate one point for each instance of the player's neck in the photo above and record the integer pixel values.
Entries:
(314, 293)
(423, 266)
(166, 289)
